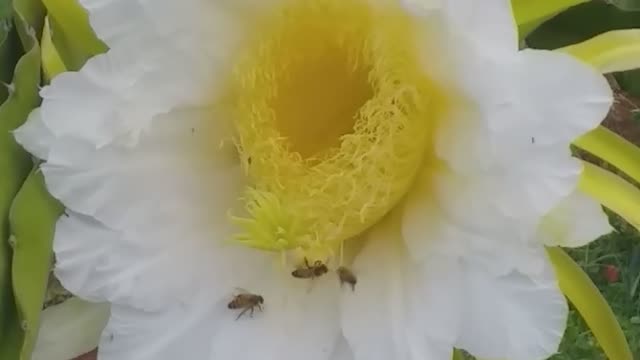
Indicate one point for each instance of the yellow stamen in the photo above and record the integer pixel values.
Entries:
(331, 105)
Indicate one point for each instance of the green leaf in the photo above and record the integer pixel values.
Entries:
(32, 222)
(457, 355)
(613, 51)
(594, 309)
(5, 9)
(30, 15)
(15, 165)
(629, 81)
(530, 14)
(583, 22)
(9, 54)
(611, 191)
(52, 64)
(580, 23)
(71, 33)
(10, 51)
(613, 149)
(626, 5)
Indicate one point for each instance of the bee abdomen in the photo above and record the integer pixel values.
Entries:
(296, 273)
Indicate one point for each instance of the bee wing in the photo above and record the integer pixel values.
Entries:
(242, 291)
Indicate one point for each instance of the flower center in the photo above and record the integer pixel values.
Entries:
(319, 95)
(332, 116)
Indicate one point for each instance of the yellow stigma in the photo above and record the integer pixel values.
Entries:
(331, 109)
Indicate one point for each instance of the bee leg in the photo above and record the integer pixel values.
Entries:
(242, 313)
(306, 262)
(251, 313)
(259, 307)
(311, 282)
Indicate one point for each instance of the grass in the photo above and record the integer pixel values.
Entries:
(621, 251)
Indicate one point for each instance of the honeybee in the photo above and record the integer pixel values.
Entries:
(347, 276)
(310, 271)
(246, 301)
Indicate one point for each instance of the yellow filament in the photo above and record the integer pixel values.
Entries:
(332, 106)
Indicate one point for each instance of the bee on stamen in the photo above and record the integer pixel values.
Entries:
(310, 271)
(247, 302)
(347, 276)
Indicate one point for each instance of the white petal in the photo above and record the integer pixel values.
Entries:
(300, 320)
(108, 99)
(516, 110)
(69, 329)
(178, 162)
(145, 268)
(553, 99)
(434, 294)
(462, 125)
(180, 332)
(576, 221)
(294, 323)
(515, 316)
(514, 197)
(141, 172)
(489, 24)
(180, 51)
(114, 20)
(93, 105)
(192, 34)
(490, 27)
(501, 283)
(172, 313)
(388, 316)
(150, 23)
(447, 239)
(35, 136)
(426, 229)
(99, 264)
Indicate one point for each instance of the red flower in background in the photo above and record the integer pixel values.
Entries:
(611, 273)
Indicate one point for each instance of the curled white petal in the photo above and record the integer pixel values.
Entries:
(514, 316)
(574, 222)
(70, 329)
